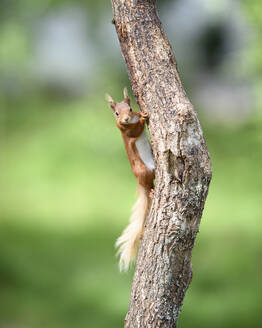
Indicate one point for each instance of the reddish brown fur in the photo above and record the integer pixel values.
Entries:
(130, 133)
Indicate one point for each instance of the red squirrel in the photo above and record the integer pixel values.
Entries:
(132, 127)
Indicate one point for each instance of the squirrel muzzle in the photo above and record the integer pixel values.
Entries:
(124, 120)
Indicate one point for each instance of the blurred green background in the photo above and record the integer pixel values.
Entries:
(66, 185)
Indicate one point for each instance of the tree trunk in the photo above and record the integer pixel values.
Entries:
(183, 168)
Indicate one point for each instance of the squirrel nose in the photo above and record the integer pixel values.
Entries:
(126, 119)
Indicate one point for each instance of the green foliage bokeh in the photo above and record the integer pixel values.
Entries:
(67, 190)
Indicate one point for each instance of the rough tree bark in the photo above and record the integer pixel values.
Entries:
(183, 168)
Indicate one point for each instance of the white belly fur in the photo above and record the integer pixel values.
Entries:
(144, 151)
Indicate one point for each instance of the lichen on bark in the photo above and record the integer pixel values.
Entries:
(183, 168)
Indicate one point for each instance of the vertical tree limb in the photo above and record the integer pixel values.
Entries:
(183, 168)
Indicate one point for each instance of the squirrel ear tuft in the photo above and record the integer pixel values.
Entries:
(111, 101)
(126, 98)
(109, 98)
(125, 93)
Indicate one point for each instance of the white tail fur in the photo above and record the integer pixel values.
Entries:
(129, 240)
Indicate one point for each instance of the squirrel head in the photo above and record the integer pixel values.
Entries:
(122, 111)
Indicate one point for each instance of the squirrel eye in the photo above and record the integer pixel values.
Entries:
(130, 109)
(116, 113)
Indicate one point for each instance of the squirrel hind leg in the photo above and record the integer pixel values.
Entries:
(151, 194)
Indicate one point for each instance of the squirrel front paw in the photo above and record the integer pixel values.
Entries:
(144, 115)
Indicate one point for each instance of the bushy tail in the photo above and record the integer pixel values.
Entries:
(129, 240)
